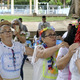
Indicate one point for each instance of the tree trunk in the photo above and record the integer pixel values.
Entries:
(75, 8)
(64, 2)
(72, 8)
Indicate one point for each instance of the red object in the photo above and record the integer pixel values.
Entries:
(77, 36)
(49, 68)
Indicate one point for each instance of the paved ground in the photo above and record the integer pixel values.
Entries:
(28, 71)
(58, 25)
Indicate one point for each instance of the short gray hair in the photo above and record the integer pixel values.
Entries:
(13, 21)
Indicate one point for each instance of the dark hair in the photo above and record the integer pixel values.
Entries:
(20, 18)
(78, 19)
(71, 35)
(44, 16)
(70, 24)
(2, 20)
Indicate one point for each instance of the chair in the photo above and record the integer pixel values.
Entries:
(29, 44)
(58, 42)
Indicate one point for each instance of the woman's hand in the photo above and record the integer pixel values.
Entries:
(39, 51)
(63, 44)
(73, 47)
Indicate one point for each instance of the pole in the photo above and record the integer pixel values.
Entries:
(30, 6)
(37, 6)
(12, 6)
(8, 4)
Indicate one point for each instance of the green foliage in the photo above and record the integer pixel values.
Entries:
(43, 0)
(59, 2)
(68, 2)
(52, 2)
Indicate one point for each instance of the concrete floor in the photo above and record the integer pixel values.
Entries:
(28, 71)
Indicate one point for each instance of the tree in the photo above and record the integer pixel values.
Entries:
(60, 2)
(75, 8)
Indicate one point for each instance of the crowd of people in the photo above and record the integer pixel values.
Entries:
(50, 61)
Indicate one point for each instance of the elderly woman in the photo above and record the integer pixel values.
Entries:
(75, 60)
(11, 55)
(19, 35)
(64, 55)
(18, 31)
(44, 64)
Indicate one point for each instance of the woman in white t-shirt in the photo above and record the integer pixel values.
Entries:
(75, 60)
(11, 55)
(64, 56)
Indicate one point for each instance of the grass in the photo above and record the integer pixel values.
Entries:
(30, 19)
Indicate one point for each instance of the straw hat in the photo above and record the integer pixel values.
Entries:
(5, 22)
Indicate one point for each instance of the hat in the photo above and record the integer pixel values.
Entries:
(5, 22)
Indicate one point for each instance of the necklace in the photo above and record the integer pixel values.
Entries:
(50, 62)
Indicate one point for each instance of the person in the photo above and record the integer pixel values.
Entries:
(11, 54)
(43, 59)
(65, 34)
(75, 60)
(2, 20)
(24, 26)
(5, 22)
(42, 25)
(64, 55)
(1, 78)
(21, 37)
(18, 31)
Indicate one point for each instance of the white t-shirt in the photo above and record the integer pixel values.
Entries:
(7, 68)
(65, 34)
(40, 68)
(65, 73)
(43, 25)
(73, 67)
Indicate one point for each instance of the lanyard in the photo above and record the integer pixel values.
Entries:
(14, 59)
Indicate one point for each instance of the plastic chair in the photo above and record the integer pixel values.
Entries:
(58, 42)
(29, 44)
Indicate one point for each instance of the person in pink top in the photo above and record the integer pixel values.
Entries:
(64, 56)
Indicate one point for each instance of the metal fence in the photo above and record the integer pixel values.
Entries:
(42, 9)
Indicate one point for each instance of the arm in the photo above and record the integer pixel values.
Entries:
(1, 78)
(25, 28)
(78, 64)
(45, 53)
(63, 61)
(29, 51)
(22, 39)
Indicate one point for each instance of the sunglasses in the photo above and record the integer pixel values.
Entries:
(50, 35)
